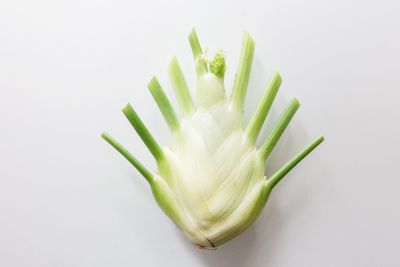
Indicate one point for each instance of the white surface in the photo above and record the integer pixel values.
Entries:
(67, 67)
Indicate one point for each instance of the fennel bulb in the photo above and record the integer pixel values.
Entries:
(210, 180)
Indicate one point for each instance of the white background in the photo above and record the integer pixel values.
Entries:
(68, 67)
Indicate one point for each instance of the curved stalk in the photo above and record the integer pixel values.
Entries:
(271, 182)
(125, 153)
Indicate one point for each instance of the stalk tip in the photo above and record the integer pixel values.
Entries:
(153, 83)
(104, 135)
(127, 108)
(277, 77)
(320, 139)
(295, 102)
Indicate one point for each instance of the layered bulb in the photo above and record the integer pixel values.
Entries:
(211, 179)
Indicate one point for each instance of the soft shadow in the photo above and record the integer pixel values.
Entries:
(237, 252)
(259, 241)
(137, 181)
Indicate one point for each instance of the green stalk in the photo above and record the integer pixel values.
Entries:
(243, 71)
(201, 64)
(278, 129)
(180, 87)
(259, 116)
(163, 104)
(124, 152)
(293, 162)
(142, 131)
